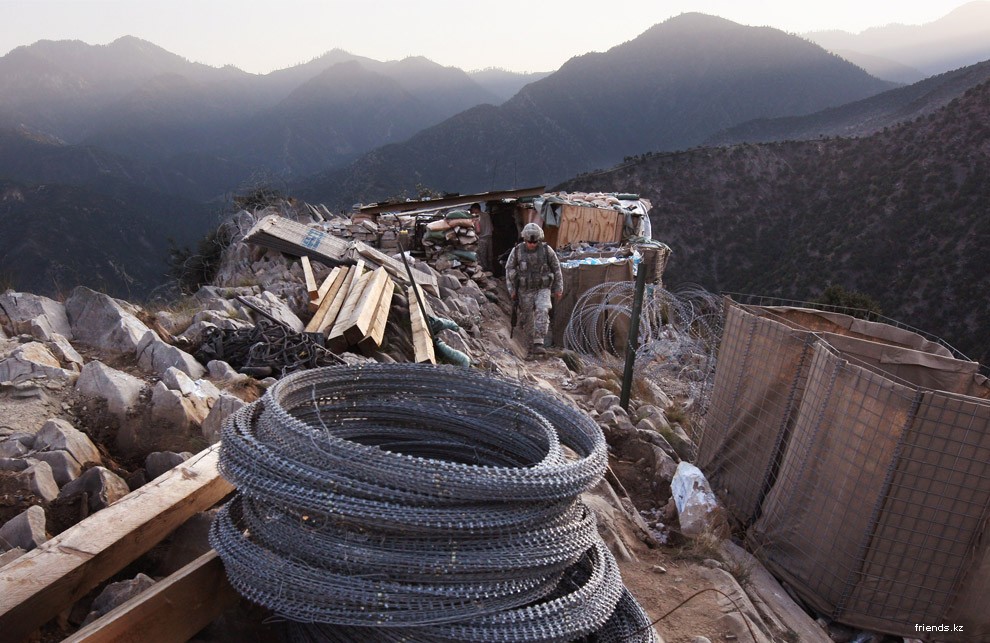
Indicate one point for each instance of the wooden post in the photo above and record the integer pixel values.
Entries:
(633, 342)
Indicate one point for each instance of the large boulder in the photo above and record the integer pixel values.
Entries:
(102, 486)
(26, 531)
(222, 408)
(33, 361)
(59, 435)
(103, 322)
(65, 468)
(34, 315)
(120, 390)
(157, 356)
(275, 307)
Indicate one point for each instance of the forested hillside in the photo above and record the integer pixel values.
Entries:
(902, 216)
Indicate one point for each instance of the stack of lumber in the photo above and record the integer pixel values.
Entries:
(292, 237)
(352, 307)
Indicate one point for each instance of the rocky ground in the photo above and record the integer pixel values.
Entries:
(98, 396)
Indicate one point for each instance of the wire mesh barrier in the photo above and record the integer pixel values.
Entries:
(399, 502)
(677, 331)
(857, 456)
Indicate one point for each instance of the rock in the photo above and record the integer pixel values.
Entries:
(697, 507)
(679, 441)
(169, 422)
(196, 332)
(606, 402)
(598, 394)
(199, 389)
(116, 594)
(35, 315)
(701, 639)
(654, 438)
(120, 390)
(103, 322)
(39, 480)
(157, 356)
(58, 434)
(33, 361)
(454, 340)
(65, 468)
(66, 354)
(222, 371)
(275, 307)
(25, 531)
(159, 462)
(103, 487)
(222, 408)
(12, 448)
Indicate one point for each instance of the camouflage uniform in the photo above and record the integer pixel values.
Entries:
(534, 275)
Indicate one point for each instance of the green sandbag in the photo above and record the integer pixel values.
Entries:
(458, 214)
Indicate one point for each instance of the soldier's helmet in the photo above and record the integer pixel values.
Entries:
(532, 233)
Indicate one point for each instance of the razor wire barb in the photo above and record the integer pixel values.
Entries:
(402, 502)
(678, 331)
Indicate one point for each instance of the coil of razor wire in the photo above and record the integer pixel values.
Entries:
(678, 332)
(267, 346)
(421, 502)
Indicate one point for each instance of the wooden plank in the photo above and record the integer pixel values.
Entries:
(173, 609)
(367, 308)
(373, 340)
(311, 288)
(38, 585)
(333, 310)
(396, 269)
(422, 340)
(335, 338)
(286, 235)
(324, 298)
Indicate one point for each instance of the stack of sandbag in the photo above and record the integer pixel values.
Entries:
(451, 242)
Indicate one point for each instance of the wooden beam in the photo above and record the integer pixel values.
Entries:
(38, 585)
(173, 609)
(311, 288)
(335, 338)
(422, 340)
(373, 340)
(396, 268)
(367, 308)
(339, 297)
(450, 201)
(324, 298)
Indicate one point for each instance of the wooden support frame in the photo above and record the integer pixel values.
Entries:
(173, 609)
(35, 587)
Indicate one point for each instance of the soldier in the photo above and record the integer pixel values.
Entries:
(532, 275)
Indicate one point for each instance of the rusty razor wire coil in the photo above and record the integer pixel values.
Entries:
(438, 502)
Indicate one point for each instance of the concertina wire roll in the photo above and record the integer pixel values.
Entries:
(396, 502)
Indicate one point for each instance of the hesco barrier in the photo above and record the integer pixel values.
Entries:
(857, 456)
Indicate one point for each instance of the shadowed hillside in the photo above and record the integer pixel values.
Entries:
(900, 216)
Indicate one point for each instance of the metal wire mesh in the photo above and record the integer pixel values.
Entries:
(678, 332)
(421, 502)
(860, 465)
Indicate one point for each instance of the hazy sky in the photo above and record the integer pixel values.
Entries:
(530, 35)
